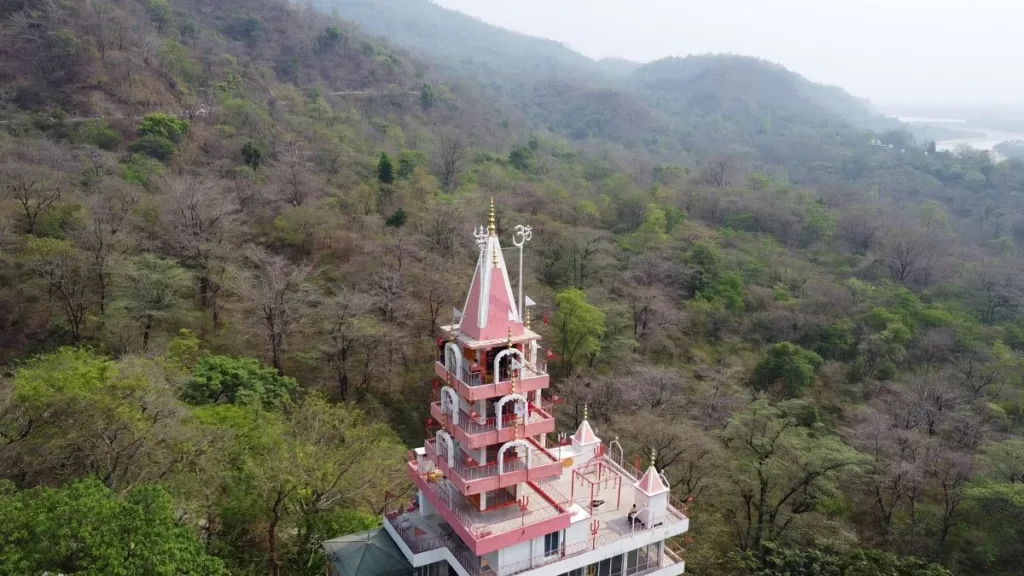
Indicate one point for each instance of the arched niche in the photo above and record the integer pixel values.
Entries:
(453, 359)
(514, 443)
(520, 409)
(517, 363)
(450, 403)
(449, 447)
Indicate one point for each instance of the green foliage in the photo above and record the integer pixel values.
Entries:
(141, 169)
(156, 147)
(520, 158)
(165, 126)
(151, 291)
(242, 381)
(786, 369)
(408, 161)
(385, 171)
(160, 13)
(777, 561)
(101, 135)
(726, 290)
(579, 326)
(396, 220)
(329, 40)
(252, 155)
(85, 528)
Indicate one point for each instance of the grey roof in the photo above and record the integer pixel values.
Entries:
(370, 553)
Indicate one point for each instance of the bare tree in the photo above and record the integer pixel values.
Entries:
(108, 214)
(720, 171)
(910, 254)
(450, 154)
(294, 168)
(35, 188)
(346, 329)
(274, 292)
(198, 214)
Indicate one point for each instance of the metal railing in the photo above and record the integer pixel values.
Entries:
(538, 457)
(477, 425)
(479, 524)
(474, 379)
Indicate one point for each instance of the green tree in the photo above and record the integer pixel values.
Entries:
(242, 381)
(520, 158)
(87, 529)
(385, 171)
(579, 326)
(778, 472)
(786, 368)
(165, 126)
(91, 416)
(408, 161)
(777, 561)
(252, 155)
(156, 147)
(152, 290)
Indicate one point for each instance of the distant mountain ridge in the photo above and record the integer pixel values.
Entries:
(634, 104)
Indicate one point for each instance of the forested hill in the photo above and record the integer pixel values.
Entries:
(457, 39)
(698, 80)
(229, 230)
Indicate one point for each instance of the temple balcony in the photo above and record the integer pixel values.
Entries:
(473, 385)
(476, 432)
(539, 511)
(471, 477)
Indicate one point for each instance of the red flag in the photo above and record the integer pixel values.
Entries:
(547, 317)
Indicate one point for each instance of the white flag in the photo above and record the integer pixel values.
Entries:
(456, 313)
(530, 302)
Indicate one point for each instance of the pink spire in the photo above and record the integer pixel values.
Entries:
(584, 434)
(651, 483)
(490, 312)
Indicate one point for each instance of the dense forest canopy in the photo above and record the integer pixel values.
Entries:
(229, 231)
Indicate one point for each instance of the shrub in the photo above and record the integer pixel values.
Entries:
(154, 146)
(165, 126)
(101, 135)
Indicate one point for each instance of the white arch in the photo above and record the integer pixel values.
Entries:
(515, 365)
(449, 445)
(506, 446)
(453, 355)
(520, 409)
(449, 399)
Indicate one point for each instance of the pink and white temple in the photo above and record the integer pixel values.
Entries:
(494, 495)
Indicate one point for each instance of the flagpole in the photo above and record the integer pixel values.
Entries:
(521, 236)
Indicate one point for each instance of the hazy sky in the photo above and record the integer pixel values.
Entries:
(891, 51)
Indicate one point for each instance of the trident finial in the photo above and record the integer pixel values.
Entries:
(490, 221)
(584, 410)
(654, 455)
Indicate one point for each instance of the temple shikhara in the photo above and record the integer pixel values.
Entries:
(498, 492)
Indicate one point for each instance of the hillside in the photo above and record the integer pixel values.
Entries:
(229, 231)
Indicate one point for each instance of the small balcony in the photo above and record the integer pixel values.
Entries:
(476, 432)
(474, 385)
(471, 477)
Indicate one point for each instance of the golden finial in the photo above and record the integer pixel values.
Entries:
(451, 333)
(654, 455)
(508, 341)
(494, 259)
(490, 222)
(584, 411)
(527, 323)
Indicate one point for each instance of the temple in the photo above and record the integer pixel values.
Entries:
(498, 492)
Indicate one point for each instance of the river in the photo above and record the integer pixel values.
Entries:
(986, 142)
